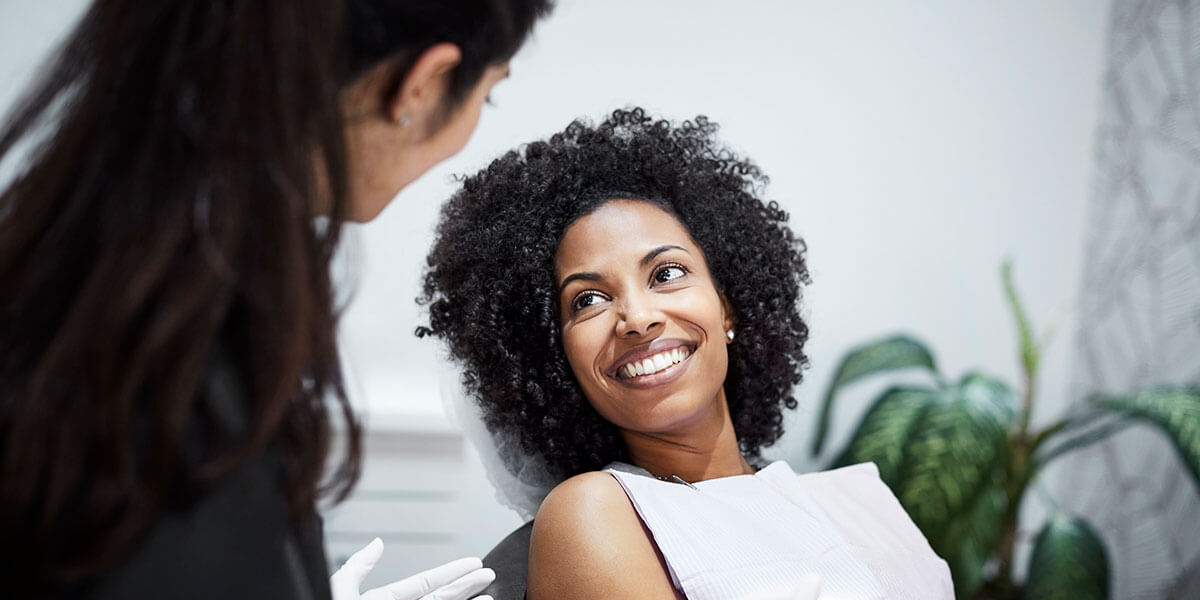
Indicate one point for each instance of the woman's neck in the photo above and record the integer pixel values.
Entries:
(704, 449)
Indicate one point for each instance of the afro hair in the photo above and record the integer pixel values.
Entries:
(492, 296)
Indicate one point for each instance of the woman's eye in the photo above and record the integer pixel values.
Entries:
(669, 273)
(585, 300)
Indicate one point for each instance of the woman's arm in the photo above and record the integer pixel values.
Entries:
(588, 542)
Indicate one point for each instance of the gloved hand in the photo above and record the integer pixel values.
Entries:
(457, 580)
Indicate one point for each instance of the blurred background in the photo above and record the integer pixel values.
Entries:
(916, 144)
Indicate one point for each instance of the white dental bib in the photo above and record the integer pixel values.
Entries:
(749, 536)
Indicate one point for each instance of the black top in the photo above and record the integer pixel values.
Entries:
(233, 541)
(236, 542)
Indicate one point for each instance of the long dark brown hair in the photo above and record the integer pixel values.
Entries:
(159, 229)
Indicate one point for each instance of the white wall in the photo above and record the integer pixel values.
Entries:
(29, 29)
(915, 142)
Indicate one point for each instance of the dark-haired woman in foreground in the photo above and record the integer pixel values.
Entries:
(627, 308)
(167, 321)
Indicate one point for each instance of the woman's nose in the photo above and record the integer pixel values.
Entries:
(638, 316)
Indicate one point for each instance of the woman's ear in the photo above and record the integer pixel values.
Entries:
(422, 93)
(727, 317)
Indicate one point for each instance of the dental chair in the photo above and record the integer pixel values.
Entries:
(510, 560)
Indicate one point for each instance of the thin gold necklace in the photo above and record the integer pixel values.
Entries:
(677, 479)
(674, 479)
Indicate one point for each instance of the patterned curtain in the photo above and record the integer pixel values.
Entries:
(1140, 298)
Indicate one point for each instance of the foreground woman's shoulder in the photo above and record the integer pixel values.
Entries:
(584, 515)
(593, 490)
(588, 541)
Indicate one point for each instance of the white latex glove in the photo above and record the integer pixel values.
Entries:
(457, 580)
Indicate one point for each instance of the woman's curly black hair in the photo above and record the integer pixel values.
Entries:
(492, 296)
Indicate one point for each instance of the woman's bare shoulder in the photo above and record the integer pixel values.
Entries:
(583, 493)
(584, 517)
(588, 542)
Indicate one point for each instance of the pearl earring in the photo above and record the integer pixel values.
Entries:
(729, 334)
(402, 121)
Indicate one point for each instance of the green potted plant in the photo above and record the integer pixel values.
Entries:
(961, 455)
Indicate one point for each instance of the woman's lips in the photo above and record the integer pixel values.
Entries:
(657, 378)
(652, 364)
(658, 362)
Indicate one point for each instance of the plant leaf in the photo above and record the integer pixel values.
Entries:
(970, 537)
(950, 477)
(1068, 563)
(1029, 349)
(1174, 410)
(888, 354)
(954, 449)
(881, 435)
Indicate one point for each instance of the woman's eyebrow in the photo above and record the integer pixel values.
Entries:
(659, 250)
(586, 276)
(590, 276)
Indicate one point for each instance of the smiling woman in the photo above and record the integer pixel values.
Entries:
(643, 325)
(626, 307)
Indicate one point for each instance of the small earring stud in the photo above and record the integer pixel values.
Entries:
(729, 334)
(402, 121)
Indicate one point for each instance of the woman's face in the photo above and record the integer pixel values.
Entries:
(643, 325)
(383, 156)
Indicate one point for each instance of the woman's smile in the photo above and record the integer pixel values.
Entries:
(649, 365)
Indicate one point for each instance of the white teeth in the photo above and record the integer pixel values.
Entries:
(655, 363)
